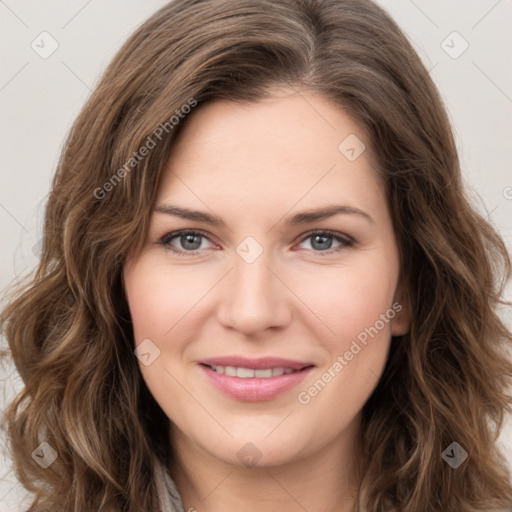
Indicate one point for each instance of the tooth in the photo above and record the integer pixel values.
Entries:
(288, 370)
(245, 373)
(276, 372)
(230, 370)
(219, 369)
(263, 373)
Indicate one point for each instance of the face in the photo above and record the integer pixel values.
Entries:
(259, 320)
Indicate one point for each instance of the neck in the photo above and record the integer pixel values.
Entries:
(325, 481)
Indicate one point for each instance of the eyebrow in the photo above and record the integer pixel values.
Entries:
(304, 217)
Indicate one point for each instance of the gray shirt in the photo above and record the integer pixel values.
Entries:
(168, 496)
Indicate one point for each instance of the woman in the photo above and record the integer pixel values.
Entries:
(328, 342)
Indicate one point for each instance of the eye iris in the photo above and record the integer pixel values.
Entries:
(189, 238)
(326, 244)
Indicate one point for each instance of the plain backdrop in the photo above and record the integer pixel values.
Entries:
(465, 45)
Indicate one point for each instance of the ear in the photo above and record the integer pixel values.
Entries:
(401, 323)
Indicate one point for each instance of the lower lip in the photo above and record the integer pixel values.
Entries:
(254, 389)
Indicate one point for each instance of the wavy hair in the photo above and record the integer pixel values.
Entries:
(68, 326)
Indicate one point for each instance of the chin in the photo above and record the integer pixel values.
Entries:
(257, 450)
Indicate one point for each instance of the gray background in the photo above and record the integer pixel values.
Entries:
(40, 97)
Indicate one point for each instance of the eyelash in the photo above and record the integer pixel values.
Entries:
(344, 240)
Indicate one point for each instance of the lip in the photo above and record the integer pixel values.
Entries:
(255, 389)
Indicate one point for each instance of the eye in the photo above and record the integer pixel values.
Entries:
(321, 241)
(190, 241)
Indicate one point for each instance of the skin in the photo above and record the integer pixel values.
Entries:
(254, 165)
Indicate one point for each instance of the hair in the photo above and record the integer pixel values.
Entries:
(68, 326)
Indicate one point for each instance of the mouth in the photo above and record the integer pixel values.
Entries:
(254, 380)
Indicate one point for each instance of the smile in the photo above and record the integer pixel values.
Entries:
(254, 380)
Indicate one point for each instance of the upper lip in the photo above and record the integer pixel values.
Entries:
(260, 363)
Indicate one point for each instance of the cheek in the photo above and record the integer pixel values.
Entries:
(349, 301)
(162, 302)
(357, 304)
(159, 301)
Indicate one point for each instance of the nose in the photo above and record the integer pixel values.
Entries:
(254, 297)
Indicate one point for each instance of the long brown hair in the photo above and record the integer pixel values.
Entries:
(69, 329)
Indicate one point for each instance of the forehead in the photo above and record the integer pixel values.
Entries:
(289, 147)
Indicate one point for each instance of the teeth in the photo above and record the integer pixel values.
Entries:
(228, 370)
(249, 373)
(263, 373)
(244, 373)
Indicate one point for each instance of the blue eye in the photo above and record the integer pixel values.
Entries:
(322, 240)
(191, 242)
